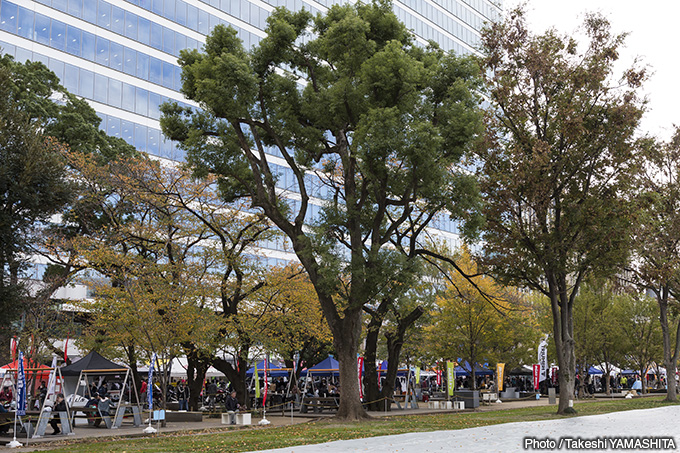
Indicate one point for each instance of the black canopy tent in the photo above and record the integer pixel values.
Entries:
(94, 365)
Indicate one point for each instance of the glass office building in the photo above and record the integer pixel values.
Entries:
(122, 55)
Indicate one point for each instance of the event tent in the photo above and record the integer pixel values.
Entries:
(464, 370)
(33, 370)
(273, 370)
(327, 367)
(92, 361)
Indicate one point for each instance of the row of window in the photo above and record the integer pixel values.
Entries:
(194, 18)
(483, 6)
(97, 87)
(426, 31)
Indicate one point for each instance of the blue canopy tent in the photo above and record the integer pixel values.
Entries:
(383, 369)
(327, 367)
(464, 370)
(273, 370)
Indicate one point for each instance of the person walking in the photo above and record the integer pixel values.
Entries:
(183, 396)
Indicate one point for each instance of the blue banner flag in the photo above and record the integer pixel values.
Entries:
(21, 387)
(149, 385)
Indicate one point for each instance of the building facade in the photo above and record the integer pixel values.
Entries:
(122, 55)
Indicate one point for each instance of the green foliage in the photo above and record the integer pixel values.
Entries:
(349, 98)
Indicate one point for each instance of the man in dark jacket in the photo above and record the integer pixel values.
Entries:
(231, 405)
(60, 406)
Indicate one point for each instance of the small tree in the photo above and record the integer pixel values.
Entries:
(559, 161)
(657, 245)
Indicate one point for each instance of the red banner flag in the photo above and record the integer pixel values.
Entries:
(13, 346)
(66, 348)
(537, 375)
(360, 365)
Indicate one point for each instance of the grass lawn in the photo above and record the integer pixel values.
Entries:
(328, 430)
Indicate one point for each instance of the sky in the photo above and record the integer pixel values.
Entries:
(654, 35)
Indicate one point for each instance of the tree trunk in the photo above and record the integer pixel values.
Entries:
(563, 331)
(669, 356)
(346, 334)
(197, 366)
(371, 388)
(237, 377)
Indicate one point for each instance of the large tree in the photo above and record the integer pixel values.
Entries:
(560, 155)
(656, 266)
(341, 114)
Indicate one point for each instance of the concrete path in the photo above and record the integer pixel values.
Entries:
(604, 430)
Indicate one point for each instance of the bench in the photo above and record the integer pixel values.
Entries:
(319, 403)
(488, 398)
(92, 414)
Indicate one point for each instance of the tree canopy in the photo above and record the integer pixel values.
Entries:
(340, 122)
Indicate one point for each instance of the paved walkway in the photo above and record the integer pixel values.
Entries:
(605, 431)
(214, 425)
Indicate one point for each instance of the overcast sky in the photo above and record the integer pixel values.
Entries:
(654, 37)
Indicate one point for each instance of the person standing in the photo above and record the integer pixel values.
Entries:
(211, 391)
(183, 396)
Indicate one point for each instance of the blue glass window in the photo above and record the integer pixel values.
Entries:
(101, 88)
(180, 43)
(88, 47)
(143, 30)
(128, 97)
(90, 11)
(113, 126)
(117, 20)
(116, 56)
(153, 141)
(75, 7)
(70, 80)
(169, 9)
(130, 25)
(142, 66)
(58, 35)
(127, 130)
(168, 40)
(155, 70)
(104, 14)
(140, 137)
(156, 37)
(57, 67)
(181, 12)
(86, 84)
(177, 75)
(102, 51)
(115, 89)
(26, 18)
(129, 61)
(141, 102)
(203, 22)
(168, 76)
(61, 5)
(154, 105)
(8, 17)
(192, 17)
(157, 7)
(42, 29)
(73, 36)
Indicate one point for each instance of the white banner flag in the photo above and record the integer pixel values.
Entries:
(543, 359)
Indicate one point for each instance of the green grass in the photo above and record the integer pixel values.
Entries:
(329, 430)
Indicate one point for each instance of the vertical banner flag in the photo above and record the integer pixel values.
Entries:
(21, 387)
(360, 366)
(543, 358)
(450, 378)
(417, 375)
(500, 368)
(257, 382)
(66, 348)
(439, 375)
(149, 386)
(266, 385)
(537, 374)
(13, 346)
